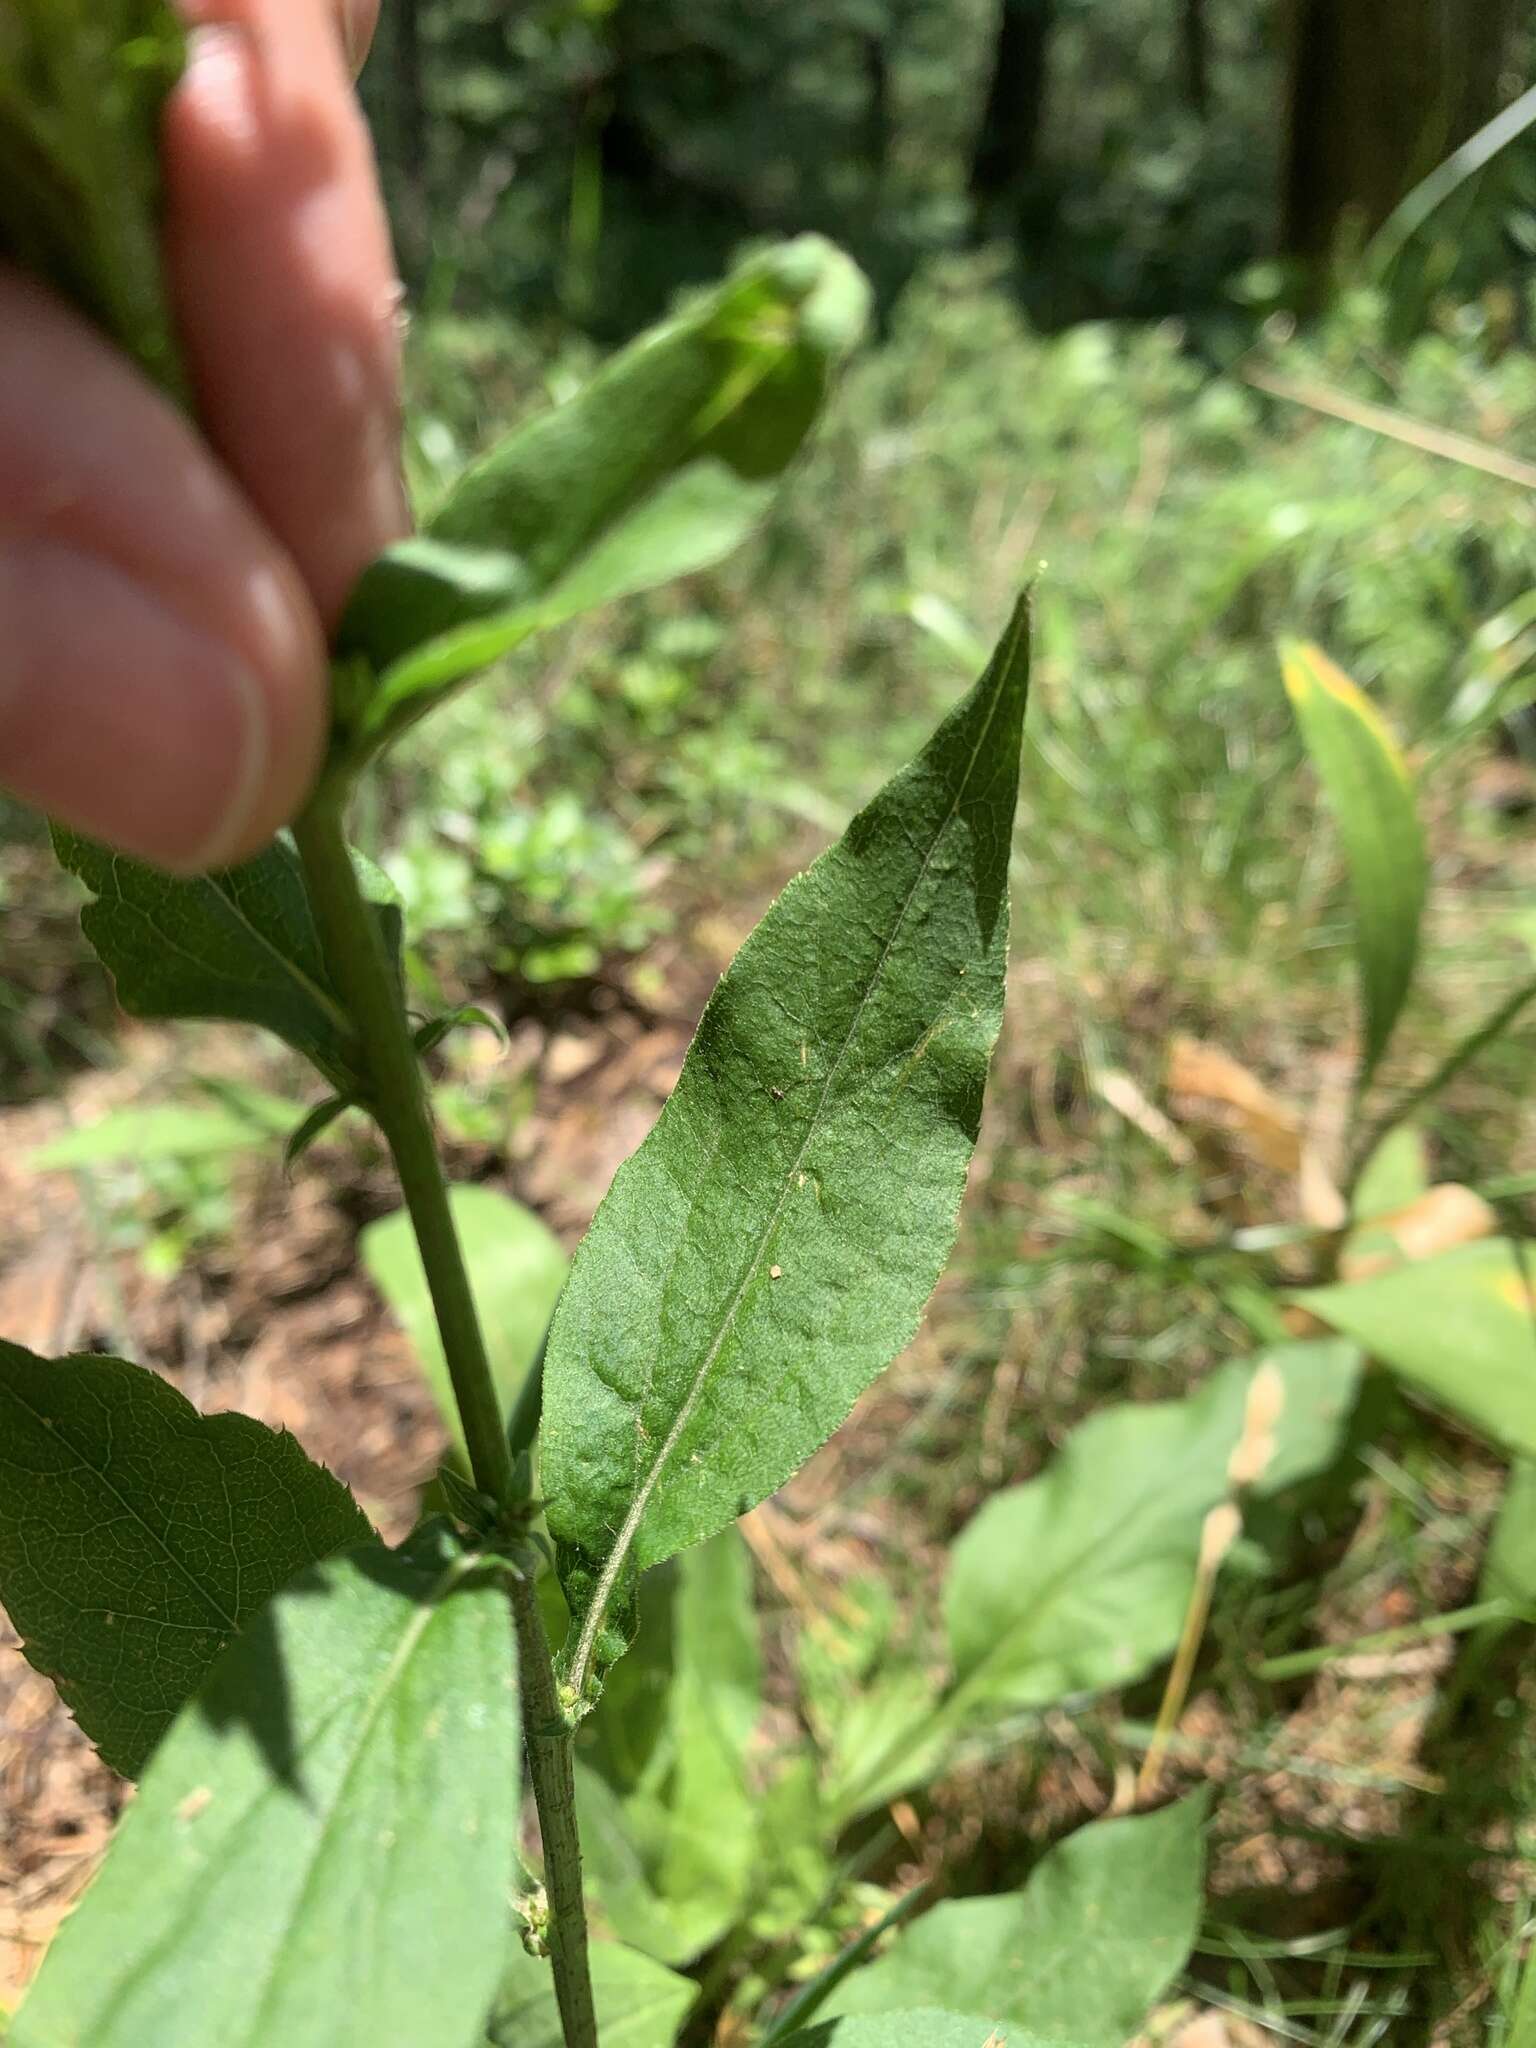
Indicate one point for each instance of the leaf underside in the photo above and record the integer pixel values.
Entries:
(661, 465)
(769, 1249)
(322, 1850)
(239, 944)
(137, 1537)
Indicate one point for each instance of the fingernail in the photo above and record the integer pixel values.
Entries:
(119, 718)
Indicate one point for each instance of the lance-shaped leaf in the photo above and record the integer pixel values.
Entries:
(1369, 790)
(660, 466)
(770, 1247)
(1080, 1579)
(1098, 1933)
(516, 1267)
(82, 83)
(1459, 1329)
(640, 2003)
(239, 944)
(137, 1537)
(321, 1852)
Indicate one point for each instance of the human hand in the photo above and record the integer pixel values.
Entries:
(165, 598)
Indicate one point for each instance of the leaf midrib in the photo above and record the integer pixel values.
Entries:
(629, 1528)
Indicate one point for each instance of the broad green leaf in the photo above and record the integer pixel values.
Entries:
(82, 83)
(1371, 795)
(890, 1737)
(240, 944)
(1080, 1579)
(621, 1885)
(516, 1267)
(660, 466)
(622, 1738)
(1396, 1174)
(674, 1857)
(1099, 1932)
(925, 2029)
(769, 1249)
(137, 1537)
(1460, 1328)
(640, 2003)
(1509, 1568)
(148, 1133)
(872, 1707)
(706, 1817)
(322, 1851)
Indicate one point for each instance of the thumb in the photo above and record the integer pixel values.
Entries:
(162, 671)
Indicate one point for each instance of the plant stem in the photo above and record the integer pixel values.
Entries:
(355, 954)
(1460, 1055)
(1408, 1637)
(550, 1763)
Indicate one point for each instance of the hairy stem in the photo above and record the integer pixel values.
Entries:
(354, 951)
(551, 1766)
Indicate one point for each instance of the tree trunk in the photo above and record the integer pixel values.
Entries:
(879, 119)
(1379, 92)
(1195, 44)
(1008, 144)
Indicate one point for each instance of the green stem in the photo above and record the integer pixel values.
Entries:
(551, 1765)
(1408, 1637)
(354, 951)
(1460, 1055)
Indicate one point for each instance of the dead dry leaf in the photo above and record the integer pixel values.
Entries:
(1443, 1216)
(1210, 1087)
(1125, 1097)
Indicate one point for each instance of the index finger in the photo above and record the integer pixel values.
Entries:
(284, 280)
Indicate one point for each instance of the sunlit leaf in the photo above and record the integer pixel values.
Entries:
(640, 2003)
(1080, 1579)
(770, 1247)
(137, 1537)
(924, 2029)
(660, 466)
(1460, 1329)
(674, 1855)
(1099, 1932)
(144, 1134)
(322, 1850)
(1371, 795)
(516, 1267)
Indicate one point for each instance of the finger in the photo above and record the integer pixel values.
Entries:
(162, 671)
(284, 281)
(358, 21)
